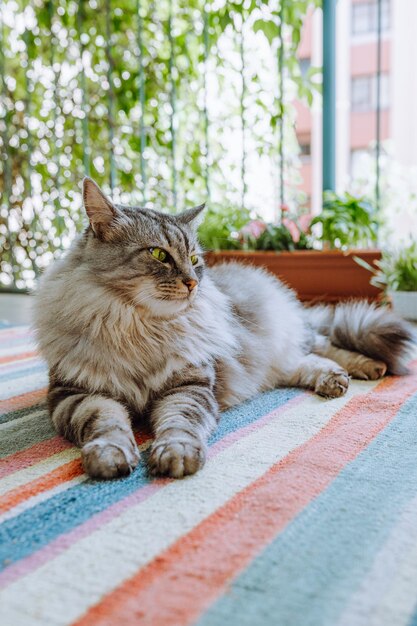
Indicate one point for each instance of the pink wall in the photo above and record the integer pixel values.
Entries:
(307, 176)
(306, 45)
(363, 58)
(363, 128)
(303, 123)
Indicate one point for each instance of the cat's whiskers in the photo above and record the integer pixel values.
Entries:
(143, 298)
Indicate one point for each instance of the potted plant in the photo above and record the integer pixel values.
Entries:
(396, 273)
(347, 222)
(314, 257)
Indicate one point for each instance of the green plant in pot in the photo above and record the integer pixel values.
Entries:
(228, 228)
(396, 273)
(347, 222)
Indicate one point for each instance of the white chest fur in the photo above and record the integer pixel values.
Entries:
(129, 355)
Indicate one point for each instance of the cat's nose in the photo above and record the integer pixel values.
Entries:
(191, 283)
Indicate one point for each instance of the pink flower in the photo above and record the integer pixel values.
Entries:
(300, 226)
(255, 228)
(304, 222)
(293, 228)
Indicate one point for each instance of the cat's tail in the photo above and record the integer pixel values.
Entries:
(373, 331)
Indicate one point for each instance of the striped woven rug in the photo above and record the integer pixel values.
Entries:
(305, 514)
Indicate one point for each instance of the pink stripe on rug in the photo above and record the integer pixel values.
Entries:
(24, 360)
(25, 458)
(61, 543)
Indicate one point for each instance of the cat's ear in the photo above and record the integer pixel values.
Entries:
(191, 216)
(100, 210)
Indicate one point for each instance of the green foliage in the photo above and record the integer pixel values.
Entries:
(220, 228)
(347, 221)
(71, 78)
(397, 269)
(293, 15)
(279, 238)
(224, 229)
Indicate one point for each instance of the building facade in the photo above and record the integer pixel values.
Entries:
(356, 108)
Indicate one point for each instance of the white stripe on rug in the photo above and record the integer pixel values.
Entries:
(139, 533)
(36, 381)
(33, 472)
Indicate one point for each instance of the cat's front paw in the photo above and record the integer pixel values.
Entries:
(176, 459)
(332, 384)
(104, 459)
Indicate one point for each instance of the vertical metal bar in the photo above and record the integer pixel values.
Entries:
(243, 111)
(378, 106)
(329, 95)
(28, 177)
(141, 87)
(173, 105)
(281, 104)
(85, 132)
(110, 107)
(205, 105)
(54, 150)
(7, 170)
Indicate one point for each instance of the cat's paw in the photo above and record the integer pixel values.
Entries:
(103, 459)
(176, 459)
(332, 384)
(368, 369)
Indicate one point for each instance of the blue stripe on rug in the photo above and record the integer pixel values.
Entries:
(309, 572)
(36, 527)
(413, 621)
(21, 340)
(27, 371)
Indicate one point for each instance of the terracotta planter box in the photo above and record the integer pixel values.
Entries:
(319, 276)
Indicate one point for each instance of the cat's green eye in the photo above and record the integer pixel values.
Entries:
(194, 259)
(159, 254)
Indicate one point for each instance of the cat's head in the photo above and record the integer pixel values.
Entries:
(151, 259)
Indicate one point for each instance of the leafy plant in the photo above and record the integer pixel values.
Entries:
(347, 221)
(124, 91)
(233, 229)
(279, 238)
(220, 228)
(397, 269)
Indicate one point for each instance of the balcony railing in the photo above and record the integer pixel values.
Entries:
(166, 104)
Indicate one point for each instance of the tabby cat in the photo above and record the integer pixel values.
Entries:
(132, 323)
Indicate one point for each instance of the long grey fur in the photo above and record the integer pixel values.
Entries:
(132, 324)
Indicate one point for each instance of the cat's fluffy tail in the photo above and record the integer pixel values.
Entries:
(373, 331)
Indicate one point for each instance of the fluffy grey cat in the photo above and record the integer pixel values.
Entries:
(132, 323)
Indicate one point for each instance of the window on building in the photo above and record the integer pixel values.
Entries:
(365, 17)
(361, 93)
(305, 65)
(304, 142)
(364, 92)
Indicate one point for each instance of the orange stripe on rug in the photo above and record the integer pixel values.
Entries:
(58, 476)
(23, 401)
(38, 452)
(54, 478)
(18, 357)
(182, 582)
(44, 449)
